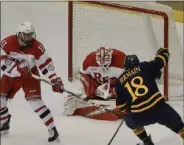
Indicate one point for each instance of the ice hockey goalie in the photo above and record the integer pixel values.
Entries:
(99, 73)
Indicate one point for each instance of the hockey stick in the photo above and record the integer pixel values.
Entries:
(114, 135)
(77, 96)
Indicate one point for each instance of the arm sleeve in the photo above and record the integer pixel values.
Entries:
(46, 65)
(82, 71)
(84, 67)
(160, 61)
(7, 65)
(121, 102)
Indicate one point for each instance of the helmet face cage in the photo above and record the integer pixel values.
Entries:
(104, 57)
(26, 32)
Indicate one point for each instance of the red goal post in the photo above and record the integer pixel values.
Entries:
(82, 25)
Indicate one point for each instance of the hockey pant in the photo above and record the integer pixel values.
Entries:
(161, 113)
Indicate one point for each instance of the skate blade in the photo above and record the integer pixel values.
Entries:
(5, 132)
(57, 140)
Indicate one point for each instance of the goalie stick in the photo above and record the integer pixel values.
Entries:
(78, 96)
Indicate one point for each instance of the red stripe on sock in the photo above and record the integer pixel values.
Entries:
(3, 118)
(37, 110)
(2, 108)
(52, 76)
(45, 63)
(49, 121)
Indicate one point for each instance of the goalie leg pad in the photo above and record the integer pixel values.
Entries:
(90, 85)
(74, 106)
(71, 103)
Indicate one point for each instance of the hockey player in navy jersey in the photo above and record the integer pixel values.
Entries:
(139, 96)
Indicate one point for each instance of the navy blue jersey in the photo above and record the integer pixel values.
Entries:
(136, 88)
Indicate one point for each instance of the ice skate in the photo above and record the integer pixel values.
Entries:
(53, 135)
(6, 126)
(147, 141)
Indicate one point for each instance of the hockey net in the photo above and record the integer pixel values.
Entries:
(139, 28)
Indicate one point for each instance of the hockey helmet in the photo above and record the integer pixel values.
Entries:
(26, 32)
(131, 61)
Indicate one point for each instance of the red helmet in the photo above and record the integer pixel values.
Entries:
(104, 57)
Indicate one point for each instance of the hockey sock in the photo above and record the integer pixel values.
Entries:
(43, 112)
(181, 133)
(141, 133)
(3, 115)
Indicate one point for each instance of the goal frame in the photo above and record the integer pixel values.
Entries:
(117, 6)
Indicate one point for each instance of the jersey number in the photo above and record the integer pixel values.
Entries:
(135, 94)
(41, 47)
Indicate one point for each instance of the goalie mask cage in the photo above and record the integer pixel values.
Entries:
(139, 28)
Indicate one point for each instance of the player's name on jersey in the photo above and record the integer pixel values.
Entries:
(129, 73)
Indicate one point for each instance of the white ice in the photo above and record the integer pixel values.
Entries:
(26, 127)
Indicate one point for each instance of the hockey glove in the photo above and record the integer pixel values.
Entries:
(14, 56)
(103, 91)
(58, 85)
(25, 72)
(162, 50)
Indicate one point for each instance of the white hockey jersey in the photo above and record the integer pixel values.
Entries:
(32, 55)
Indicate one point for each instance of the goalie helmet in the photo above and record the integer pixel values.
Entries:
(131, 61)
(26, 32)
(104, 57)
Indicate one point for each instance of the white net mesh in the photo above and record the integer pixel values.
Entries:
(95, 26)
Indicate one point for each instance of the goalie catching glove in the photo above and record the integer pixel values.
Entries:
(105, 91)
(58, 85)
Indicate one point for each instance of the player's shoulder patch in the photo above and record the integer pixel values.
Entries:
(8, 62)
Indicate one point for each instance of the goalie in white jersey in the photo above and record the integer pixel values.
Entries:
(99, 73)
(24, 55)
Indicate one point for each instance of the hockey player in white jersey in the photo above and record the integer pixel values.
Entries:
(26, 54)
